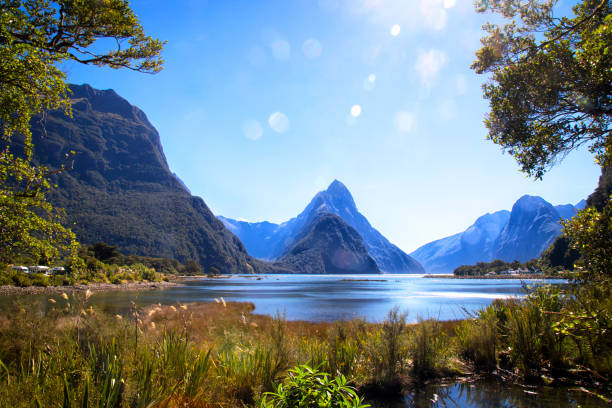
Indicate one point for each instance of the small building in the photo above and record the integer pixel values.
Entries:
(39, 269)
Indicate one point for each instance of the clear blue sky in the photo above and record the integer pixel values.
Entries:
(256, 109)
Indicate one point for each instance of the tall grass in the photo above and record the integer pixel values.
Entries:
(204, 355)
(477, 339)
(430, 349)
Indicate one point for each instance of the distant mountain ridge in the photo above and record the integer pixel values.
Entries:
(521, 234)
(265, 240)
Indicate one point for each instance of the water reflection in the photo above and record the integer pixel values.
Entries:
(494, 394)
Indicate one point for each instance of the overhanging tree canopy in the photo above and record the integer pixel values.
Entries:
(550, 85)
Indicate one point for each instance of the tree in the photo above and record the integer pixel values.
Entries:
(30, 228)
(35, 37)
(591, 234)
(550, 84)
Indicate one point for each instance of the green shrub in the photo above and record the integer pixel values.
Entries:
(430, 349)
(477, 339)
(40, 279)
(21, 279)
(305, 387)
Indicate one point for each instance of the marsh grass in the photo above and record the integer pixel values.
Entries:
(477, 339)
(431, 350)
(221, 354)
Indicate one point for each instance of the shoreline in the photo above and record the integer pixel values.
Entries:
(6, 290)
(519, 277)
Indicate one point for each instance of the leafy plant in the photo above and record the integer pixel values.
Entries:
(305, 387)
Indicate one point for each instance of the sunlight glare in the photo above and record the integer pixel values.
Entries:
(279, 122)
(395, 30)
(281, 50)
(312, 48)
(405, 121)
(369, 82)
(355, 110)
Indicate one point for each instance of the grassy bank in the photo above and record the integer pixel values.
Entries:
(218, 354)
(8, 290)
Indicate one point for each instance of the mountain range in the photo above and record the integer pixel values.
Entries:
(120, 190)
(520, 234)
(266, 240)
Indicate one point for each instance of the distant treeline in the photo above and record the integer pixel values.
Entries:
(109, 254)
(497, 266)
(101, 262)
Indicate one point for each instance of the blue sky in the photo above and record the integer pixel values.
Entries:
(263, 103)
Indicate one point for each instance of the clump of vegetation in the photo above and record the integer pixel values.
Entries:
(430, 350)
(307, 387)
(477, 339)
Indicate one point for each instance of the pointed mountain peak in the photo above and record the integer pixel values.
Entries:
(336, 199)
(337, 188)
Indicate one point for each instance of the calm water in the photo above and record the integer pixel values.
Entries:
(334, 297)
(493, 394)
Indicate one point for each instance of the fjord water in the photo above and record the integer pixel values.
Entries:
(336, 297)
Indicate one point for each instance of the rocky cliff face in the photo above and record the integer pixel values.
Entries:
(121, 190)
(266, 240)
(328, 245)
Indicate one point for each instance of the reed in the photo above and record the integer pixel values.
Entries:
(477, 339)
(430, 350)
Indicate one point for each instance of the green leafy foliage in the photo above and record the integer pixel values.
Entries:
(550, 80)
(31, 230)
(590, 233)
(305, 387)
(35, 37)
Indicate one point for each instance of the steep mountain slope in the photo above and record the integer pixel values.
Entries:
(266, 240)
(532, 227)
(521, 235)
(328, 245)
(475, 244)
(121, 191)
